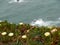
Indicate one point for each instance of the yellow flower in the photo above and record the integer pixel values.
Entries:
(3, 33)
(47, 33)
(24, 36)
(21, 23)
(10, 34)
(54, 30)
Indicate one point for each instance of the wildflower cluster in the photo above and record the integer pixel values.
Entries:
(25, 34)
(5, 33)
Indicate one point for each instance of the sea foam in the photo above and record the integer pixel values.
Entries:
(15, 1)
(41, 22)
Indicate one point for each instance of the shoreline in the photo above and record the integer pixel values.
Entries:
(25, 34)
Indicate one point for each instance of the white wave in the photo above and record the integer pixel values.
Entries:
(15, 1)
(41, 22)
(59, 18)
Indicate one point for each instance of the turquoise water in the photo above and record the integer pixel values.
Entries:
(45, 12)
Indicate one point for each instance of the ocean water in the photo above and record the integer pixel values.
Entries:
(34, 12)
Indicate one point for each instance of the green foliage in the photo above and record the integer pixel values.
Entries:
(35, 36)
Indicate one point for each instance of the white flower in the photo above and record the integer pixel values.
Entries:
(3, 33)
(10, 34)
(21, 23)
(28, 31)
(24, 36)
(54, 30)
(47, 33)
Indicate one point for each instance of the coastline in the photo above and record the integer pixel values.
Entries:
(26, 34)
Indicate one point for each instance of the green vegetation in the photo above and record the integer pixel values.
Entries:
(25, 34)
